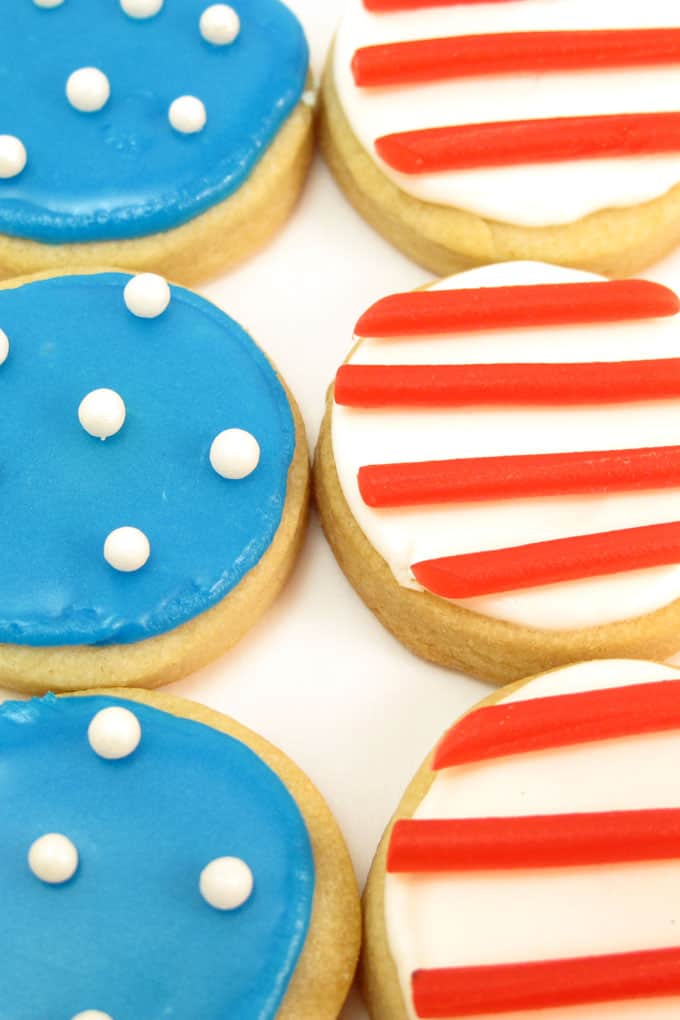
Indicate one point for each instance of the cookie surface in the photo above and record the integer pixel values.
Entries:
(497, 469)
(150, 823)
(149, 127)
(578, 165)
(547, 805)
(207, 464)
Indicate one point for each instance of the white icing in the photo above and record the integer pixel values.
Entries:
(4, 347)
(127, 549)
(13, 156)
(88, 89)
(529, 195)
(504, 917)
(141, 8)
(114, 733)
(410, 535)
(235, 454)
(102, 413)
(187, 114)
(53, 858)
(147, 295)
(220, 24)
(226, 883)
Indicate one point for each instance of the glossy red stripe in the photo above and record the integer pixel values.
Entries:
(509, 143)
(433, 312)
(487, 478)
(509, 988)
(542, 841)
(554, 562)
(432, 386)
(405, 63)
(566, 720)
(384, 6)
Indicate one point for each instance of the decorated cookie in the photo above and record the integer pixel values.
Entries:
(171, 135)
(470, 132)
(161, 861)
(154, 482)
(499, 468)
(531, 869)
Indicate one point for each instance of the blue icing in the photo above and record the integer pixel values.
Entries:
(124, 172)
(184, 377)
(130, 934)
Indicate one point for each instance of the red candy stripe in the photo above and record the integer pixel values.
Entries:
(543, 841)
(551, 140)
(486, 478)
(405, 63)
(554, 562)
(521, 727)
(484, 385)
(428, 312)
(514, 987)
(384, 6)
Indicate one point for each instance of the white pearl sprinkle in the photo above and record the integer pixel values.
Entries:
(4, 347)
(48, 3)
(92, 1014)
(127, 549)
(13, 156)
(226, 883)
(53, 858)
(141, 8)
(114, 733)
(147, 295)
(88, 89)
(187, 114)
(234, 454)
(220, 24)
(102, 413)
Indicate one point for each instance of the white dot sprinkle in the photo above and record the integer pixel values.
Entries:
(235, 454)
(147, 295)
(13, 156)
(114, 733)
(226, 883)
(102, 413)
(48, 4)
(4, 347)
(53, 858)
(88, 89)
(127, 549)
(220, 24)
(141, 8)
(92, 1014)
(187, 114)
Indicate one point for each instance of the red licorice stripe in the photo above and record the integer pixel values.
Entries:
(434, 312)
(383, 6)
(565, 720)
(405, 63)
(509, 143)
(415, 386)
(424, 846)
(486, 478)
(554, 562)
(550, 984)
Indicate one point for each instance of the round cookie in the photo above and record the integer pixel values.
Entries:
(135, 559)
(469, 133)
(190, 895)
(498, 469)
(167, 136)
(530, 868)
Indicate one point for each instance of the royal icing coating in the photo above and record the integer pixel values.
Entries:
(125, 168)
(130, 934)
(566, 850)
(564, 402)
(565, 95)
(185, 376)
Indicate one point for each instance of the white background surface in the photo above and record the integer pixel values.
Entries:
(319, 676)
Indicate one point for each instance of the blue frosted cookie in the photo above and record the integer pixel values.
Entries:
(160, 862)
(171, 135)
(154, 482)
